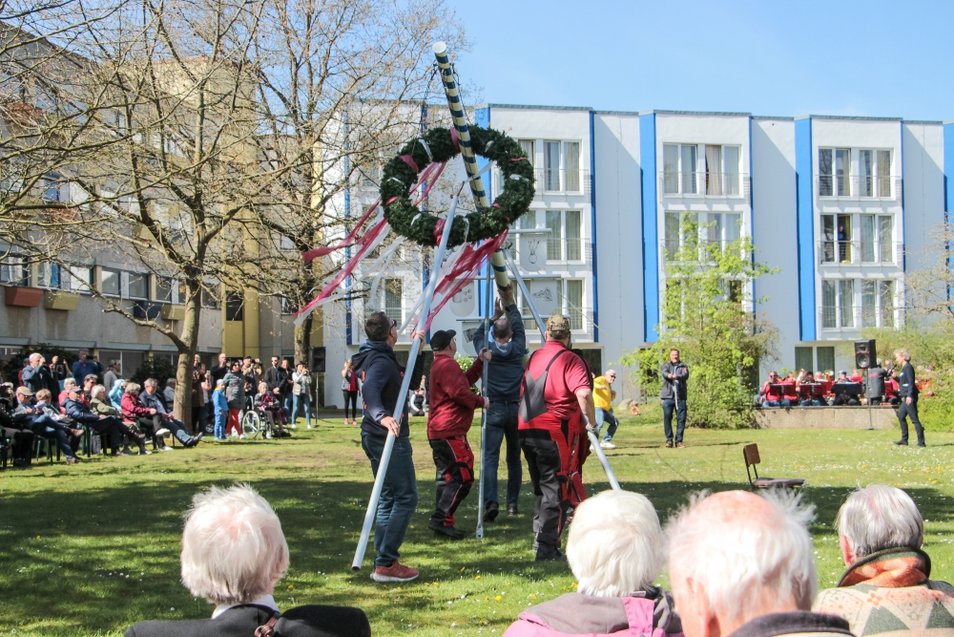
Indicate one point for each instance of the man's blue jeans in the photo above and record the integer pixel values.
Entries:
(668, 405)
(606, 415)
(398, 496)
(501, 424)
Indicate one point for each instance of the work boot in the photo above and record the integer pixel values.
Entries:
(491, 512)
(448, 531)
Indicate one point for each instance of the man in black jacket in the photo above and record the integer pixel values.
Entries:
(376, 363)
(908, 393)
(673, 394)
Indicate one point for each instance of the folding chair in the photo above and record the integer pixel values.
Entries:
(751, 454)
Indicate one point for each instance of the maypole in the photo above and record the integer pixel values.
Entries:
(467, 151)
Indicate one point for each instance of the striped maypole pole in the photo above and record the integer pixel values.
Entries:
(467, 151)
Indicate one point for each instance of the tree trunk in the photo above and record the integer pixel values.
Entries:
(189, 337)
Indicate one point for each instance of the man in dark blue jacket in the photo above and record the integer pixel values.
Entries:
(376, 363)
(908, 393)
(507, 341)
(673, 395)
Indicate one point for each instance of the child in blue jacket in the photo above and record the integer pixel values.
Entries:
(221, 407)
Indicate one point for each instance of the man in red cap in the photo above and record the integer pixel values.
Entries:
(452, 413)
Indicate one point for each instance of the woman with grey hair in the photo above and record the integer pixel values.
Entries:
(615, 550)
(233, 554)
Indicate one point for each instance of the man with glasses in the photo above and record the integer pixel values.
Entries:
(603, 397)
(377, 364)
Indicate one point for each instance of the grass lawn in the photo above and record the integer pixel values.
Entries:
(93, 548)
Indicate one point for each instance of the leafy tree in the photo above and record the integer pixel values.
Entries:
(708, 317)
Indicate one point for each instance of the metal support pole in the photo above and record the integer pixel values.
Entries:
(402, 397)
(488, 310)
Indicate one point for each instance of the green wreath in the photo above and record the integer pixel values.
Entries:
(400, 175)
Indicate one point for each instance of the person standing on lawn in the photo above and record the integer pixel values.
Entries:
(908, 393)
(603, 397)
(452, 413)
(382, 373)
(673, 394)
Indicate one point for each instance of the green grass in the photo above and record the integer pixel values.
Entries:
(91, 549)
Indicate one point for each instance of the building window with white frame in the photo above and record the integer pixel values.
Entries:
(394, 299)
(168, 290)
(877, 239)
(679, 169)
(681, 237)
(722, 170)
(838, 303)
(561, 166)
(565, 241)
(110, 281)
(527, 146)
(834, 172)
(877, 303)
(874, 173)
(14, 270)
(836, 238)
(572, 302)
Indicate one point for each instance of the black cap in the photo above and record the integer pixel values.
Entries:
(441, 339)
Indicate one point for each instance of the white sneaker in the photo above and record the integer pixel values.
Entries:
(162, 432)
(165, 448)
(242, 437)
(606, 444)
(233, 434)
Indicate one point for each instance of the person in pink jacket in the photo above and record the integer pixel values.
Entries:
(615, 550)
(452, 412)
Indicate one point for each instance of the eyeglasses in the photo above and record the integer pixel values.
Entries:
(394, 323)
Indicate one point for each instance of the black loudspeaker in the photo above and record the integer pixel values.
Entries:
(318, 359)
(865, 355)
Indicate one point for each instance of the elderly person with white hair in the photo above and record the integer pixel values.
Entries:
(233, 554)
(741, 565)
(886, 590)
(615, 550)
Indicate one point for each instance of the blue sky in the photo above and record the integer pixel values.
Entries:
(838, 57)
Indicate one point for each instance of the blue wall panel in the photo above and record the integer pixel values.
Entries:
(647, 169)
(805, 227)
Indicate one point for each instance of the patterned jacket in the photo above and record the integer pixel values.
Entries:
(888, 593)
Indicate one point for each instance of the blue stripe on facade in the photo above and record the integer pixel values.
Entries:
(805, 228)
(349, 336)
(948, 166)
(596, 287)
(647, 176)
(904, 253)
(482, 119)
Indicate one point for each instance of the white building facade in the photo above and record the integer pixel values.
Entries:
(840, 209)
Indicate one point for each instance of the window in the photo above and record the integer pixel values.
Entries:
(877, 303)
(722, 170)
(137, 285)
(78, 278)
(564, 243)
(679, 169)
(527, 146)
(51, 188)
(876, 239)
(50, 275)
(234, 306)
(874, 173)
(167, 291)
(14, 270)
(682, 235)
(834, 171)
(722, 229)
(572, 302)
(393, 299)
(210, 299)
(561, 160)
(109, 281)
(836, 238)
(837, 303)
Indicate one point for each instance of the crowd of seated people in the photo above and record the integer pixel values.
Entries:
(822, 389)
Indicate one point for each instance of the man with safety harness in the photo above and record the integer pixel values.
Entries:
(556, 408)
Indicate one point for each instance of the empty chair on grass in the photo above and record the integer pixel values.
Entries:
(752, 459)
(233, 554)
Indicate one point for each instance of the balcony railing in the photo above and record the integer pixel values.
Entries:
(855, 317)
(857, 252)
(857, 187)
(704, 184)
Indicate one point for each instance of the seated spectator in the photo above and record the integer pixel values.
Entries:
(416, 401)
(98, 404)
(615, 550)
(109, 426)
(145, 419)
(886, 590)
(266, 402)
(20, 434)
(741, 565)
(771, 394)
(233, 554)
(808, 390)
(844, 397)
(150, 398)
(68, 383)
(46, 422)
